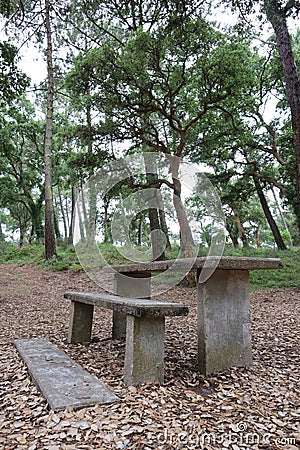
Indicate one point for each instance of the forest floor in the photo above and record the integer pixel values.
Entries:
(241, 408)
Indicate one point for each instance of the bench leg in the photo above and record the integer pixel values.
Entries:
(81, 319)
(119, 325)
(224, 336)
(144, 358)
(129, 285)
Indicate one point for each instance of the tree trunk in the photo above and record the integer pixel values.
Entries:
(50, 245)
(284, 224)
(233, 233)
(274, 228)
(240, 227)
(158, 253)
(92, 212)
(107, 231)
(56, 222)
(22, 228)
(82, 214)
(66, 209)
(258, 242)
(31, 234)
(157, 244)
(36, 219)
(164, 227)
(277, 16)
(186, 237)
(62, 210)
(1, 231)
(71, 228)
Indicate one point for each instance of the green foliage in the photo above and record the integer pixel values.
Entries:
(8, 7)
(111, 255)
(12, 81)
(66, 258)
(168, 79)
(21, 180)
(28, 254)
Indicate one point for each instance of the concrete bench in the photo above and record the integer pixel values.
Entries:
(61, 380)
(145, 330)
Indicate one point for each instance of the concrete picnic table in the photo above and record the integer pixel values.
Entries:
(223, 304)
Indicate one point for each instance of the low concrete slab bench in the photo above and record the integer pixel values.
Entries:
(61, 380)
(145, 330)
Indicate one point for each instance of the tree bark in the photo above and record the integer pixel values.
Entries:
(62, 210)
(258, 242)
(240, 228)
(157, 244)
(50, 244)
(164, 227)
(231, 227)
(186, 237)
(187, 244)
(284, 224)
(277, 17)
(274, 228)
(71, 227)
(107, 233)
(22, 234)
(1, 231)
(56, 221)
(140, 230)
(157, 248)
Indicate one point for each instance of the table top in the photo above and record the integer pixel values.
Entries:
(183, 264)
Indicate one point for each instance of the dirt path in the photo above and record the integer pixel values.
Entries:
(249, 408)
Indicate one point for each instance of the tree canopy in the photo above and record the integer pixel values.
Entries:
(127, 77)
(12, 80)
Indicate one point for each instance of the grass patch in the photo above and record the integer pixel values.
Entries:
(34, 254)
(288, 276)
(28, 254)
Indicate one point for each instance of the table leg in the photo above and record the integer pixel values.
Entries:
(81, 319)
(129, 285)
(224, 335)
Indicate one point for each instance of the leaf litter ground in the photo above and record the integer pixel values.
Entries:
(241, 408)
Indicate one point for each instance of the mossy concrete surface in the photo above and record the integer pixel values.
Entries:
(62, 381)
